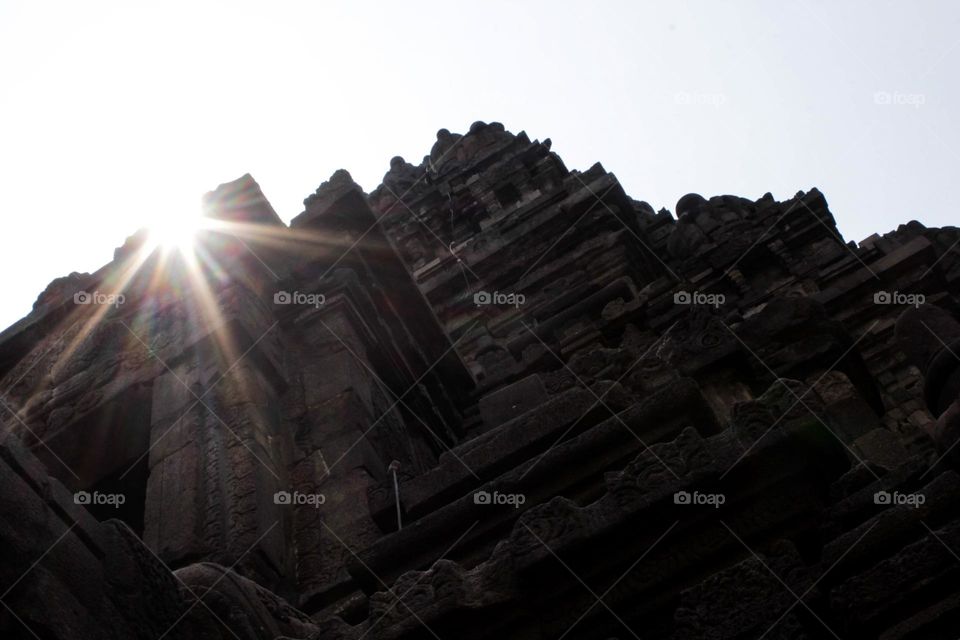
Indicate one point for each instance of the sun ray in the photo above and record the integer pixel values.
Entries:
(175, 258)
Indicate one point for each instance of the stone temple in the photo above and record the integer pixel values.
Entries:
(494, 398)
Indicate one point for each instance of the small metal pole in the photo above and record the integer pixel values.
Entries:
(396, 490)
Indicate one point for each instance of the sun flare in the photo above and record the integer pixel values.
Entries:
(176, 232)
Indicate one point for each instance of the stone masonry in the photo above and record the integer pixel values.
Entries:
(493, 398)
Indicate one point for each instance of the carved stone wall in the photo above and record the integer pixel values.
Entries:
(494, 398)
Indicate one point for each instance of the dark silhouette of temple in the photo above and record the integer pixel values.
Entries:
(494, 398)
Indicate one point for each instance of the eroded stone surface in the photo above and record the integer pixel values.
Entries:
(596, 420)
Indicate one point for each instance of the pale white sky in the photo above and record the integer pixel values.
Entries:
(112, 114)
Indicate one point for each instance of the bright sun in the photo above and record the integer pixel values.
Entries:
(176, 232)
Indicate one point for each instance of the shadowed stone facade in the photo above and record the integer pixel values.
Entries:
(493, 398)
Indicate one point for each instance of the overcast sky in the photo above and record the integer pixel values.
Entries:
(112, 115)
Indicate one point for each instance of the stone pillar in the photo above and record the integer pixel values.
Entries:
(343, 420)
(215, 466)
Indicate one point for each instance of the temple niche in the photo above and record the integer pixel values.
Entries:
(442, 408)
